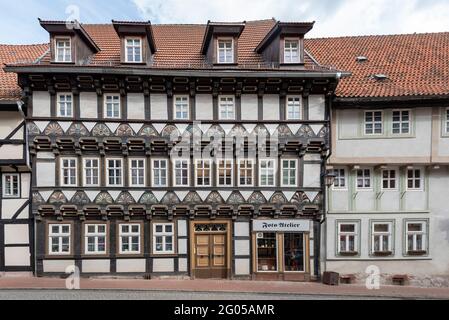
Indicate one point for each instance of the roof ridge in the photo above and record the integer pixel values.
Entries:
(24, 45)
(381, 35)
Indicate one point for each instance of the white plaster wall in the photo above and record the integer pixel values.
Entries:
(271, 104)
(415, 200)
(250, 107)
(365, 201)
(241, 229)
(45, 174)
(182, 246)
(159, 107)
(8, 122)
(242, 267)
(136, 106)
(182, 228)
(11, 152)
(204, 107)
(390, 201)
(443, 147)
(163, 265)
(41, 104)
(25, 185)
(96, 266)
(88, 105)
(17, 257)
(312, 175)
(182, 265)
(241, 247)
(317, 107)
(10, 206)
(339, 200)
(131, 265)
(58, 266)
(16, 234)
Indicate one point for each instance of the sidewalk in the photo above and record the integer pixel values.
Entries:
(227, 286)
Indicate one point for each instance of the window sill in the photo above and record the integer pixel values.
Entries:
(292, 64)
(416, 253)
(348, 254)
(63, 63)
(383, 254)
(225, 64)
(143, 63)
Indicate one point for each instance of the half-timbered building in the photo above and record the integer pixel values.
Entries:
(181, 150)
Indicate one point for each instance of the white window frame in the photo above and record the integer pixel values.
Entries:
(134, 47)
(226, 106)
(12, 195)
(63, 168)
(164, 235)
(114, 104)
(401, 122)
(338, 178)
(130, 173)
(181, 104)
(288, 185)
(347, 235)
(66, 58)
(424, 233)
(446, 121)
(292, 102)
(153, 170)
(203, 161)
(225, 169)
(274, 169)
(414, 179)
(60, 235)
(225, 61)
(288, 52)
(85, 168)
(66, 103)
(114, 168)
(364, 177)
(130, 234)
(277, 254)
(246, 161)
(389, 179)
(389, 235)
(373, 122)
(96, 235)
(175, 169)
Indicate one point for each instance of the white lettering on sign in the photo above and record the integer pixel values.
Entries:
(281, 225)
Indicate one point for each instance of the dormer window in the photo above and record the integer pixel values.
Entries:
(133, 50)
(291, 51)
(63, 50)
(225, 51)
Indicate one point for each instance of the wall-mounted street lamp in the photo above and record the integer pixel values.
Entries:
(329, 178)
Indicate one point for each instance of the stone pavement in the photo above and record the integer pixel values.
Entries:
(228, 287)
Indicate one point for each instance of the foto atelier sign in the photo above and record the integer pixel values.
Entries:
(281, 225)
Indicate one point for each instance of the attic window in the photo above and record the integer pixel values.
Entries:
(225, 51)
(291, 51)
(362, 59)
(63, 52)
(133, 50)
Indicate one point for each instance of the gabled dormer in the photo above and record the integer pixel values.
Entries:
(69, 42)
(137, 42)
(284, 44)
(220, 44)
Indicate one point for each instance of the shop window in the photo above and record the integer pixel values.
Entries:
(294, 252)
(267, 252)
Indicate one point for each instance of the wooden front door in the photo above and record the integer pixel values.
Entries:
(210, 252)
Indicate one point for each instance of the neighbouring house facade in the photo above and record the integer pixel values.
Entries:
(390, 148)
(16, 223)
(195, 150)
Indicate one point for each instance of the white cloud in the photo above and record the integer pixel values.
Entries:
(333, 17)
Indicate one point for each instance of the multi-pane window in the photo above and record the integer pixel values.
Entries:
(59, 239)
(163, 238)
(114, 172)
(133, 50)
(11, 185)
(112, 106)
(294, 252)
(291, 51)
(289, 173)
(340, 179)
(203, 173)
(137, 172)
(347, 238)
(401, 122)
(227, 108)
(160, 173)
(65, 105)
(381, 237)
(389, 179)
(91, 172)
(225, 51)
(414, 179)
(246, 173)
(225, 173)
(181, 173)
(63, 50)
(95, 239)
(68, 172)
(364, 179)
(267, 246)
(181, 107)
(129, 238)
(416, 235)
(373, 122)
(294, 108)
(267, 173)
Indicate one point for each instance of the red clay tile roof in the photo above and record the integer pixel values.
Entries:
(9, 90)
(416, 64)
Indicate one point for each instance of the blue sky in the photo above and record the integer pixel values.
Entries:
(18, 19)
